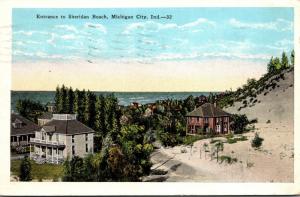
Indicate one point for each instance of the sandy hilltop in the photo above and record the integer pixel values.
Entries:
(274, 162)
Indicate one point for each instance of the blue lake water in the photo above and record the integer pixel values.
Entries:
(124, 98)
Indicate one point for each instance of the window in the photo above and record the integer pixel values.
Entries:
(86, 148)
(218, 128)
(198, 119)
(73, 150)
(86, 137)
(50, 137)
(206, 120)
(73, 138)
(43, 136)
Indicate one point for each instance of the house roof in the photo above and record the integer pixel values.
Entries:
(27, 126)
(46, 115)
(50, 104)
(68, 127)
(207, 110)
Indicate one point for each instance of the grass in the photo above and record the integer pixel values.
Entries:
(212, 141)
(39, 171)
(190, 139)
(236, 139)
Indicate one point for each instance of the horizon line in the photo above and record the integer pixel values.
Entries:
(108, 91)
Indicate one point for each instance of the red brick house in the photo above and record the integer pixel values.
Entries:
(207, 117)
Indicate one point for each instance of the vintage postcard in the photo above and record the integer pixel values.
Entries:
(108, 96)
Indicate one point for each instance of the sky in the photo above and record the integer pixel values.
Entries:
(198, 49)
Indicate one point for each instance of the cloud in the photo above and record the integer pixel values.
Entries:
(155, 26)
(222, 55)
(277, 25)
(67, 27)
(198, 22)
(30, 33)
(284, 42)
(51, 40)
(68, 37)
(44, 55)
(99, 27)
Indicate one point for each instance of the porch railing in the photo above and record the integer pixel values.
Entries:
(52, 142)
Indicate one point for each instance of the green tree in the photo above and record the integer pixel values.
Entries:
(189, 103)
(81, 105)
(71, 98)
(91, 109)
(76, 101)
(65, 99)
(219, 147)
(29, 109)
(112, 117)
(102, 116)
(205, 146)
(271, 65)
(74, 170)
(85, 106)
(277, 63)
(58, 100)
(25, 169)
(97, 124)
(116, 163)
(284, 61)
(292, 58)
(239, 123)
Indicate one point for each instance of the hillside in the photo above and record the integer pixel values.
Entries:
(273, 102)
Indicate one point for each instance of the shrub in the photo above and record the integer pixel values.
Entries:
(229, 136)
(231, 140)
(190, 139)
(200, 131)
(227, 159)
(210, 133)
(239, 123)
(183, 150)
(253, 121)
(250, 164)
(234, 140)
(212, 141)
(25, 169)
(257, 141)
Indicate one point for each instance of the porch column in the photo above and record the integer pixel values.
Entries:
(228, 122)
(52, 153)
(18, 142)
(27, 139)
(57, 155)
(46, 153)
(29, 151)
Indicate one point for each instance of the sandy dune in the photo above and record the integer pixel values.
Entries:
(274, 162)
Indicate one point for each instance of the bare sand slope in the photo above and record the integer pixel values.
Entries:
(276, 105)
(274, 162)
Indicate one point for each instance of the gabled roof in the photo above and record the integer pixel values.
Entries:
(68, 127)
(207, 110)
(27, 126)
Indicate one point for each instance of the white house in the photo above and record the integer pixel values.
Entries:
(61, 137)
